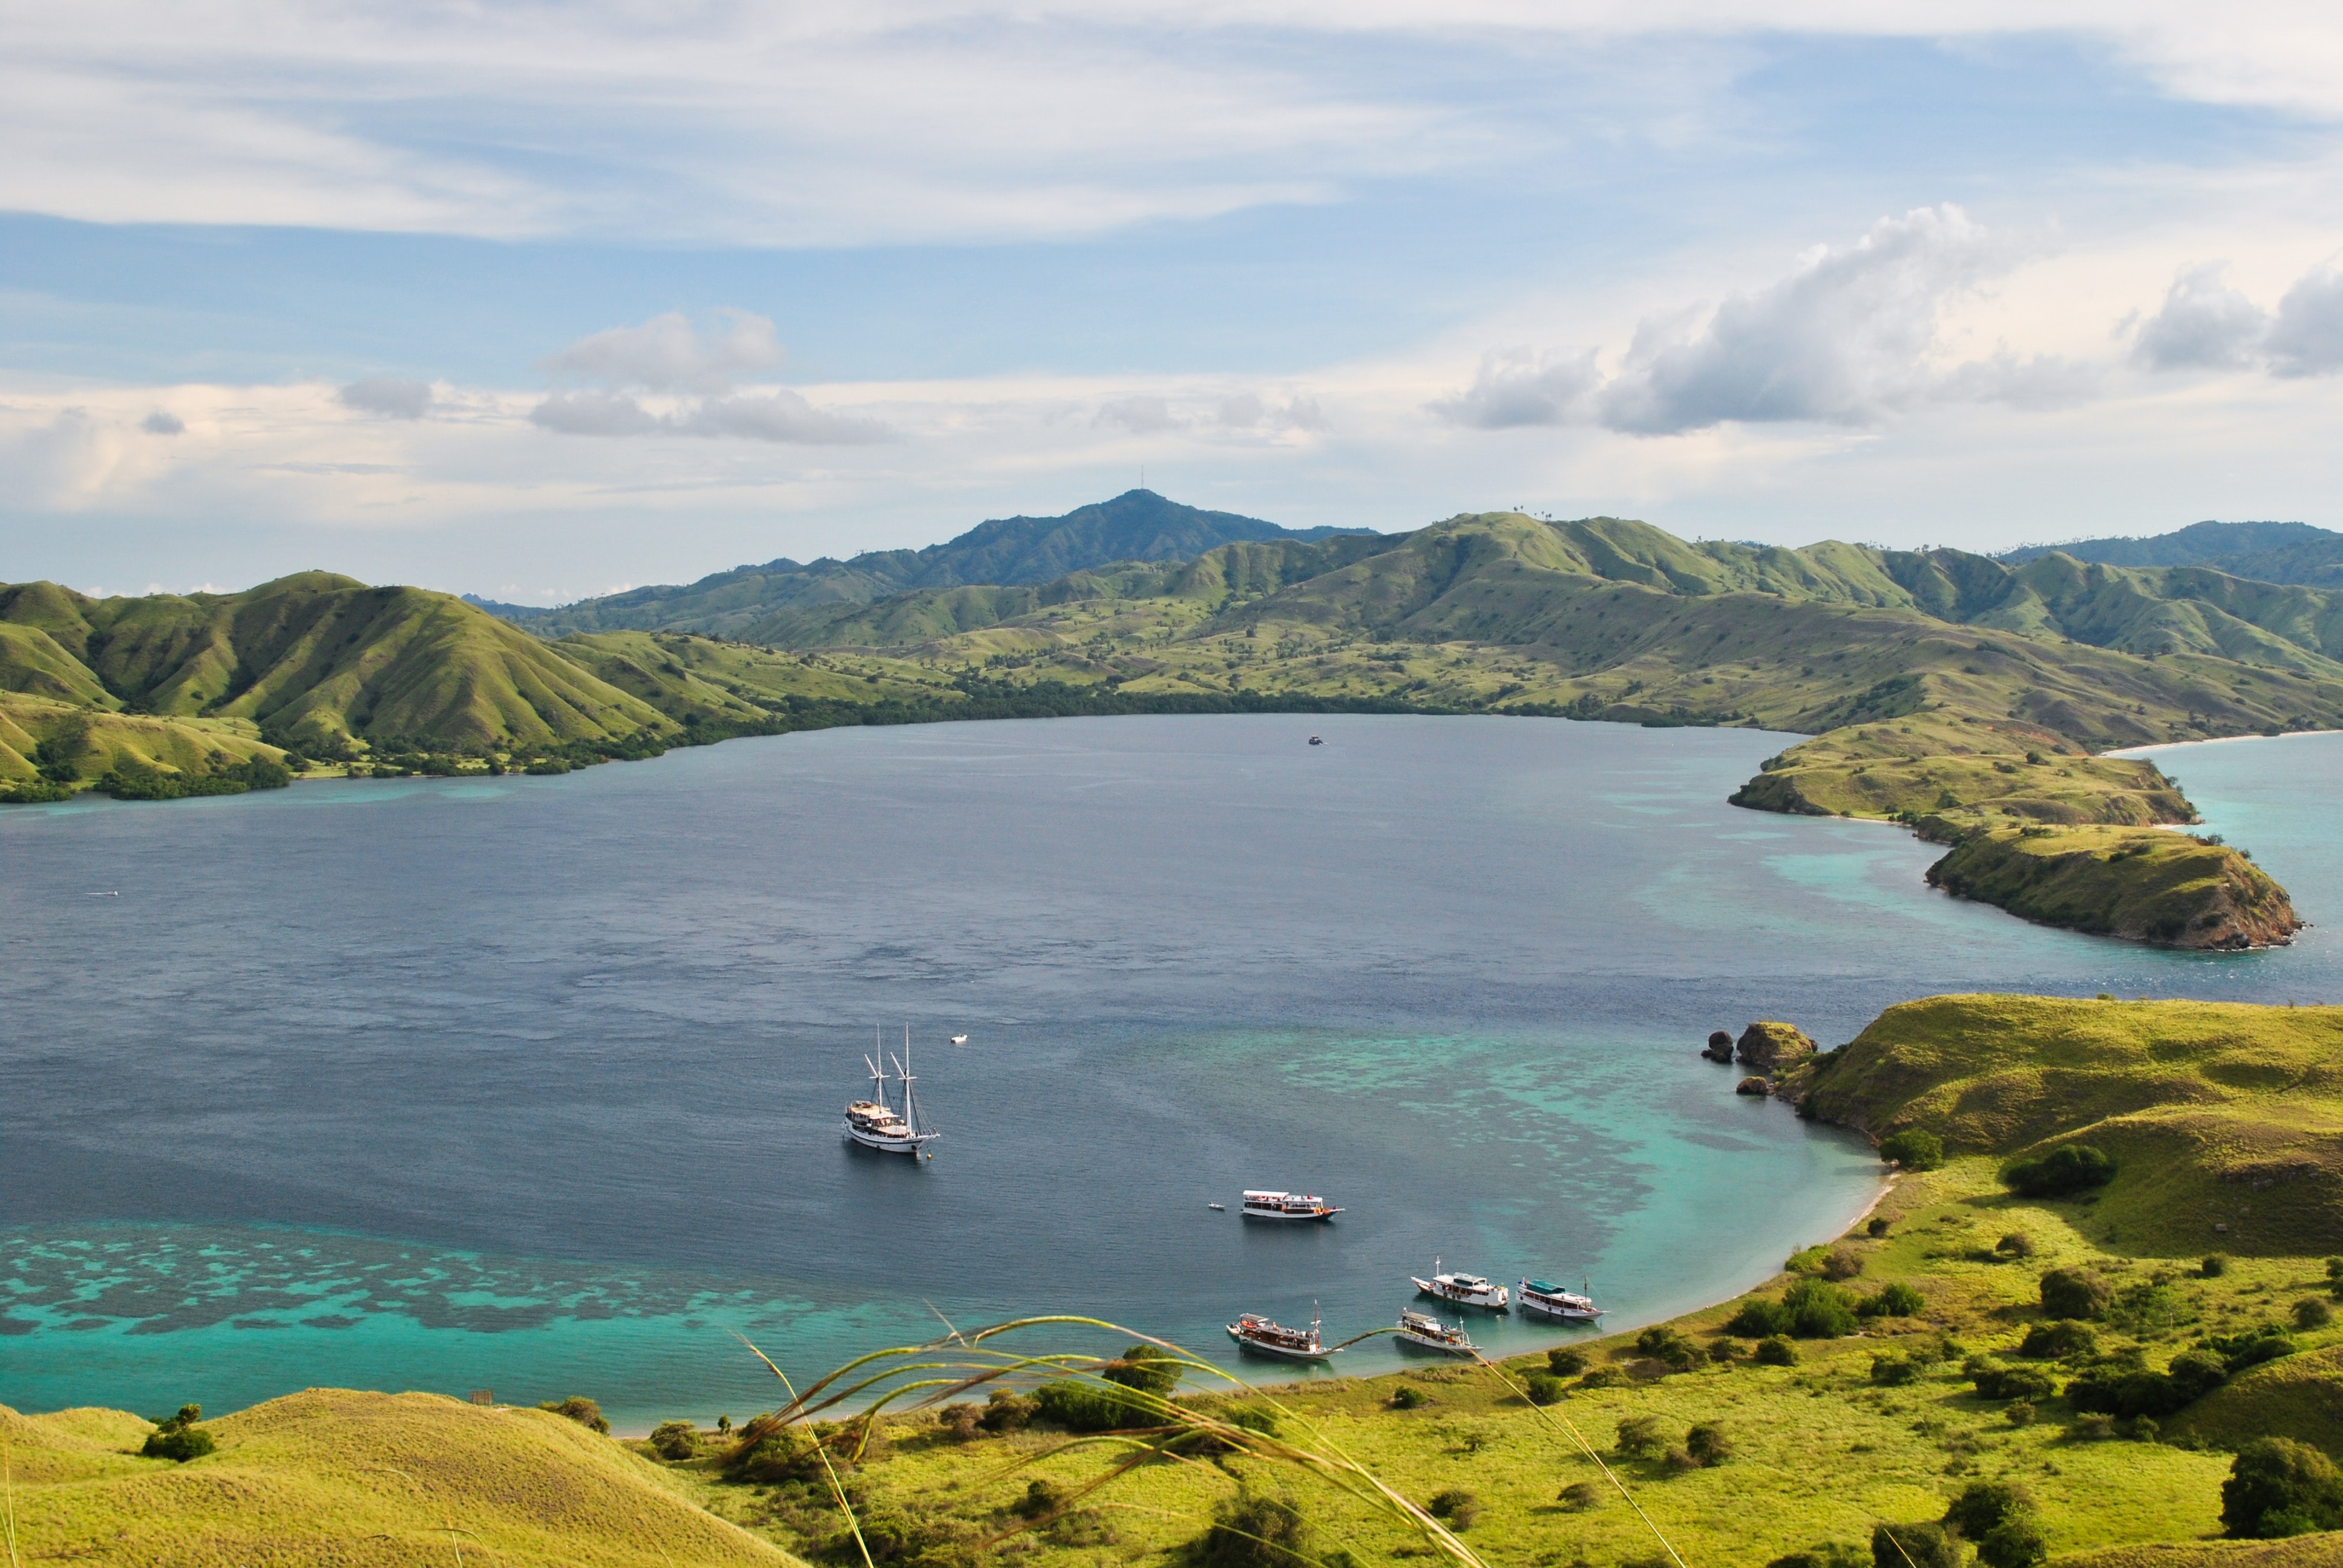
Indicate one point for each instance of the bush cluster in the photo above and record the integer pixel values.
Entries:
(2121, 1385)
(1920, 1546)
(579, 1409)
(675, 1440)
(1809, 1310)
(1913, 1149)
(1670, 1349)
(1999, 1517)
(2061, 1341)
(2279, 1487)
(177, 1437)
(1253, 1530)
(2075, 1293)
(1565, 1361)
(1996, 1382)
(2067, 1170)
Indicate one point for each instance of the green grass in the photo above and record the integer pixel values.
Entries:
(2171, 889)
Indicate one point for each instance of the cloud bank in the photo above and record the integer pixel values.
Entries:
(669, 354)
(2206, 325)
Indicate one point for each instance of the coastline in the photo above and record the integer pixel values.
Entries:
(2217, 740)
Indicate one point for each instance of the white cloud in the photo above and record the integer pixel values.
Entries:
(2204, 325)
(163, 422)
(667, 354)
(782, 416)
(594, 414)
(2306, 339)
(1517, 386)
(1140, 416)
(392, 397)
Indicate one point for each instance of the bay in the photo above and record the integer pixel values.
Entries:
(532, 1084)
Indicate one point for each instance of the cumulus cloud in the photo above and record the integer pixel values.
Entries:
(392, 397)
(2204, 324)
(2035, 381)
(1249, 411)
(2307, 337)
(667, 354)
(1842, 340)
(163, 422)
(1517, 386)
(1140, 416)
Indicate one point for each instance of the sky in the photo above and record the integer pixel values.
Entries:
(543, 300)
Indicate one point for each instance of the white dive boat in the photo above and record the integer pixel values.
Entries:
(1553, 1302)
(1464, 1290)
(1423, 1329)
(1287, 1206)
(875, 1123)
(1255, 1332)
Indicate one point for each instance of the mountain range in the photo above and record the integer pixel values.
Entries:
(1136, 526)
(2272, 552)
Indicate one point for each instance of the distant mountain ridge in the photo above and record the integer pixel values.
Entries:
(2269, 552)
(1005, 552)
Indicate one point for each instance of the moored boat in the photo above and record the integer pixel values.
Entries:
(1423, 1329)
(1266, 1205)
(1255, 1332)
(875, 1123)
(1553, 1302)
(1464, 1290)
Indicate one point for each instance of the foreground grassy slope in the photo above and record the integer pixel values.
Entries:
(332, 1477)
(2226, 1120)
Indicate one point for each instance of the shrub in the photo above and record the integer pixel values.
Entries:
(1603, 1377)
(1544, 1387)
(1079, 1406)
(782, 1453)
(1639, 1436)
(1454, 1508)
(2277, 1485)
(1677, 1460)
(1580, 1497)
(1707, 1444)
(1891, 1369)
(1251, 1420)
(1999, 1383)
(1006, 1412)
(1669, 1348)
(2310, 1312)
(2075, 1293)
(1828, 1554)
(1897, 1300)
(1565, 1361)
(2238, 1351)
(1816, 1310)
(1723, 1352)
(579, 1409)
(1252, 1531)
(177, 1437)
(1756, 1319)
(962, 1420)
(1982, 1504)
(1913, 1149)
(2067, 1170)
(1406, 1397)
(2094, 1428)
(2058, 1340)
(675, 1440)
(1915, 1546)
(2021, 1413)
(2016, 1244)
(1042, 1499)
(2014, 1543)
(2214, 1265)
(1841, 1263)
(1774, 1350)
(1876, 1227)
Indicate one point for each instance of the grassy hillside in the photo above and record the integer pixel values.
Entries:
(2272, 552)
(2167, 888)
(2225, 1121)
(332, 1477)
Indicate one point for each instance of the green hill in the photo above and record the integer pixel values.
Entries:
(333, 1476)
(2225, 1121)
(1138, 525)
(2273, 552)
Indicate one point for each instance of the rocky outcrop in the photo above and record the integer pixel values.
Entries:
(2170, 889)
(1720, 1047)
(1772, 1047)
(1753, 1085)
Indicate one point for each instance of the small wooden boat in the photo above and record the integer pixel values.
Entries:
(1464, 1290)
(1258, 1335)
(1553, 1302)
(1423, 1329)
(1266, 1205)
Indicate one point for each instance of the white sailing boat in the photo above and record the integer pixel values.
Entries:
(1423, 1329)
(1464, 1290)
(1255, 1332)
(875, 1123)
(1553, 1302)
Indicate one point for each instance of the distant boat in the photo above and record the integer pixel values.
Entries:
(1553, 1302)
(114, 895)
(959, 1039)
(1423, 1329)
(1464, 1290)
(874, 1123)
(1315, 741)
(1287, 1206)
(1224, 1208)
(1256, 1333)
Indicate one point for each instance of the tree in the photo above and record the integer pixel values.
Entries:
(1913, 1149)
(1708, 1444)
(675, 1440)
(2277, 1486)
(2067, 1170)
(1915, 1546)
(177, 1437)
(1983, 1504)
(1255, 1531)
(1639, 1436)
(579, 1409)
(1565, 1361)
(2016, 1542)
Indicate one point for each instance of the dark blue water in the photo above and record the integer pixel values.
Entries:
(533, 1084)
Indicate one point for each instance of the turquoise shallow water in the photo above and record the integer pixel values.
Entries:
(533, 1084)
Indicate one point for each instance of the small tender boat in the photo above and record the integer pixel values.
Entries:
(1423, 1329)
(1256, 1333)
(1315, 741)
(959, 1039)
(1265, 1205)
(1219, 1208)
(1464, 1290)
(1553, 1302)
(875, 1123)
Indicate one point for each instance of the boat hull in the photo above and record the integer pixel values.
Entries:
(1280, 1353)
(1493, 1303)
(1440, 1346)
(889, 1145)
(1319, 1219)
(1558, 1308)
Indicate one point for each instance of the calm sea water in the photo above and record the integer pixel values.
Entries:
(533, 1084)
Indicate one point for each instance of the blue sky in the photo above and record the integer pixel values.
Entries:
(539, 301)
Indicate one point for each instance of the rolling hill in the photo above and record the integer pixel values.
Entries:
(1136, 526)
(2273, 552)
